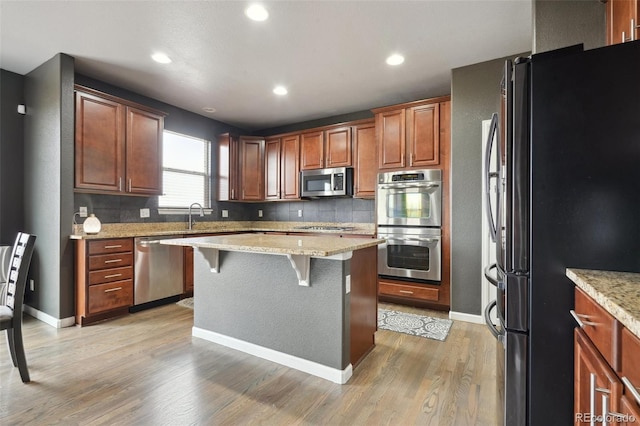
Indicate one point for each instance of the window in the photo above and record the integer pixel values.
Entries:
(186, 171)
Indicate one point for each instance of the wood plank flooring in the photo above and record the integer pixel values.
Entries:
(147, 369)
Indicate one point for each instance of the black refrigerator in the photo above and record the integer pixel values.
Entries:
(567, 144)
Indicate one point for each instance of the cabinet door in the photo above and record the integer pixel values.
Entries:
(228, 179)
(619, 26)
(312, 150)
(338, 147)
(272, 169)
(423, 135)
(592, 376)
(391, 139)
(144, 152)
(99, 143)
(251, 168)
(364, 148)
(290, 167)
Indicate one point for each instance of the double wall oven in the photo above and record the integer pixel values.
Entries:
(409, 210)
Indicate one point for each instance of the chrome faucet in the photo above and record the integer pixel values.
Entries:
(191, 222)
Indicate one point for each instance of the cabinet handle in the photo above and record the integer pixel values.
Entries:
(113, 275)
(113, 261)
(109, 290)
(129, 184)
(405, 291)
(592, 399)
(633, 29)
(113, 246)
(610, 415)
(632, 389)
(120, 183)
(578, 318)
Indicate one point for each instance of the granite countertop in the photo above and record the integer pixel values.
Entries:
(128, 230)
(617, 292)
(317, 246)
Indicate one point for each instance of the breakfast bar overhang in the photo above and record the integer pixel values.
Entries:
(307, 302)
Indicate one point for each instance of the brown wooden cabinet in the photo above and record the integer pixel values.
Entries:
(364, 154)
(282, 167)
(606, 370)
(118, 145)
(228, 179)
(326, 148)
(251, 168)
(409, 134)
(104, 279)
(622, 21)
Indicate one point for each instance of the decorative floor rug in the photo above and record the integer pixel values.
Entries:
(187, 303)
(416, 325)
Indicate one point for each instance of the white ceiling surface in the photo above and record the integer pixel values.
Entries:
(330, 54)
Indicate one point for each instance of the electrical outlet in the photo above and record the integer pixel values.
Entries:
(225, 213)
(32, 285)
(259, 213)
(144, 213)
(83, 211)
(299, 213)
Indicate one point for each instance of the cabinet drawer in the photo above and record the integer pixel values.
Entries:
(104, 261)
(109, 275)
(110, 246)
(103, 297)
(629, 365)
(601, 327)
(415, 292)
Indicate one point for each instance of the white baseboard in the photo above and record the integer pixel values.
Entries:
(310, 367)
(48, 319)
(461, 316)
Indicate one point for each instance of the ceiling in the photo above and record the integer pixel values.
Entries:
(329, 54)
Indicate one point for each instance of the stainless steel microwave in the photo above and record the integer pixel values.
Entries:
(336, 182)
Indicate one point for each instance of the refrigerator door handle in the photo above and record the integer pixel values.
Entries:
(493, 131)
(487, 318)
(487, 274)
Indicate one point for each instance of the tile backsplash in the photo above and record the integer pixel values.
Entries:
(126, 209)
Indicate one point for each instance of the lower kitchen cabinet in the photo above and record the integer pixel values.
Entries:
(606, 371)
(432, 296)
(188, 271)
(104, 279)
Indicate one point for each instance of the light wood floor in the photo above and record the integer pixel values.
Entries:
(147, 369)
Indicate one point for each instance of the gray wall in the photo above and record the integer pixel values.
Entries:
(48, 183)
(11, 156)
(475, 91)
(558, 23)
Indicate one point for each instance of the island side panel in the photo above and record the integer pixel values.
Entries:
(364, 302)
(256, 298)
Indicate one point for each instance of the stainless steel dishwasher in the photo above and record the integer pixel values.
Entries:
(158, 271)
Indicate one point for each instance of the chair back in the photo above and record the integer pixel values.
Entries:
(18, 270)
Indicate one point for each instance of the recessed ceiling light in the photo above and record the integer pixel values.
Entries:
(257, 12)
(280, 90)
(395, 59)
(209, 109)
(161, 58)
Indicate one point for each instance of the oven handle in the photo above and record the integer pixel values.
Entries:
(405, 186)
(420, 240)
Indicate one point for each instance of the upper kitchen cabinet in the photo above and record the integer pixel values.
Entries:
(622, 21)
(118, 145)
(228, 180)
(282, 167)
(364, 153)
(326, 149)
(409, 134)
(251, 168)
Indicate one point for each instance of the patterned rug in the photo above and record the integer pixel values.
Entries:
(186, 303)
(416, 325)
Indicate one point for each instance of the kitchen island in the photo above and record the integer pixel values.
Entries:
(307, 302)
